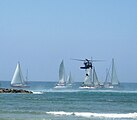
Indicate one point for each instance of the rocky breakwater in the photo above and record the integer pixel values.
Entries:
(7, 90)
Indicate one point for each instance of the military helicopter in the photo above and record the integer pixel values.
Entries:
(87, 63)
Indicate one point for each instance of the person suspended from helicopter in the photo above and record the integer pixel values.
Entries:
(87, 74)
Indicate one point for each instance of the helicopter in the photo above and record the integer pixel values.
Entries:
(87, 63)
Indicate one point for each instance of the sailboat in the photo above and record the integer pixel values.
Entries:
(18, 79)
(107, 83)
(61, 83)
(111, 80)
(96, 82)
(114, 78)
(88, 82)
(69, 80)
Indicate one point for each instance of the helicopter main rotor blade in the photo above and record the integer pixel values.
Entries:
(77, 59)
(98, 60)
(90, 60)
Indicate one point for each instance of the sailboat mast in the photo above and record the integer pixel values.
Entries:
(112, 71)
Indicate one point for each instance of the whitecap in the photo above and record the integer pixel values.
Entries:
(37, 92)
(98, 115)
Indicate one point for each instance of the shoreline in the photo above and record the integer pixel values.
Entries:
(10, 90)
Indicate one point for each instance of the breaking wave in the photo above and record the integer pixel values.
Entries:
(37, 92)
(98, 115)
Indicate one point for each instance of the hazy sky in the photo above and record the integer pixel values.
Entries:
(40, 33)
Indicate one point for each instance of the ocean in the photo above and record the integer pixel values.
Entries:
(69, 104)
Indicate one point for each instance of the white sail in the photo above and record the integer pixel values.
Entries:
(95, 79)
(107, 76)
(107, 82)
(18, 79)
(88, 77)
(62, 83)
(114, 78)
(69, 80)
(62, 73)
(111, 80)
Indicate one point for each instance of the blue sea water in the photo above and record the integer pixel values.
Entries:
(69, 104)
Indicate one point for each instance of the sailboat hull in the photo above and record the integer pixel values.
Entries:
(60, 87)
(87, 87)
(19, 85)
(108, 86)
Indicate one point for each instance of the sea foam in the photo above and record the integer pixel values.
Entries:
(99, 115)
(37, 92)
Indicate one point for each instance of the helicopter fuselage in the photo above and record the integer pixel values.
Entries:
(86, 67)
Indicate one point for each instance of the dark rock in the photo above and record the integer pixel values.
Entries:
(5, 90)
